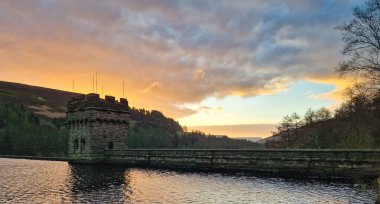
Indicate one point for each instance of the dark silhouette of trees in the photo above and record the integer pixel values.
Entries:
(152, 129)
(362, 43)
(24, 133)
(288, 128)
(355, 125)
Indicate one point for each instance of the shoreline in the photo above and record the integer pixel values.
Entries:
(34, 158)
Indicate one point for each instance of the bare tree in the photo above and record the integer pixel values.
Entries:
(323, 114)
(288, 128)
(310, 116)
(362, 43)
(357, 105)
(296, 123)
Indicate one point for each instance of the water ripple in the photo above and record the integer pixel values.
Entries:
(30, 181)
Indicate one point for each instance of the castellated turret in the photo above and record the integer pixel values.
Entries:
(96, 125)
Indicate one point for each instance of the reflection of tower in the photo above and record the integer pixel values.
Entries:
(87, 117)
(98, 183)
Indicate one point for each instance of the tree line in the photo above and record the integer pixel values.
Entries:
(154, 130)
(24, 133)
(353, 125)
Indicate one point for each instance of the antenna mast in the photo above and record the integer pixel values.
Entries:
(73, 87)
(123, 88)
(93, 82)
(96, 82)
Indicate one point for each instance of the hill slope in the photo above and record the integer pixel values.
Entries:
(354, 125)
(44, 101)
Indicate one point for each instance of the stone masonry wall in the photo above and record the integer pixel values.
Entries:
(95, 125)
(318, 163)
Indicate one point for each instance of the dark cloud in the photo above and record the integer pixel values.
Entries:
(188, 49)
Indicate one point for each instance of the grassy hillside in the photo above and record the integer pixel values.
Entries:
(45, 101)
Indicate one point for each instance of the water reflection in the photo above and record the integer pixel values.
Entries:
(28, 181)
(97, 183)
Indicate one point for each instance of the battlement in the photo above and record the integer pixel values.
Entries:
(93, 101)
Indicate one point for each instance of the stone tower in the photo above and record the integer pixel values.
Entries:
(96, 126)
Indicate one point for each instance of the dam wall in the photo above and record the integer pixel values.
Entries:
(314, 163)
(98, 133)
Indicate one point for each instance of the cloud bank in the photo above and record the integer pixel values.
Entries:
(171, 52)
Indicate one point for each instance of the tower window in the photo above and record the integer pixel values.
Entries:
(75, 145)
(110, 145)
(82, 144)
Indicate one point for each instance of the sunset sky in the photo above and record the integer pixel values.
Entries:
(236, 67)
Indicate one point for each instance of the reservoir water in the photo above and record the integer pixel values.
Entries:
(32, 181)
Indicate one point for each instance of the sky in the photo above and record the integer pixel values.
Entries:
(207, 63)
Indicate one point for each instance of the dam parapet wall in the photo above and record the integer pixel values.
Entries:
(315, 163)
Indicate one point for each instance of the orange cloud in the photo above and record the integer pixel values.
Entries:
(199, 74)
(337, 95)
